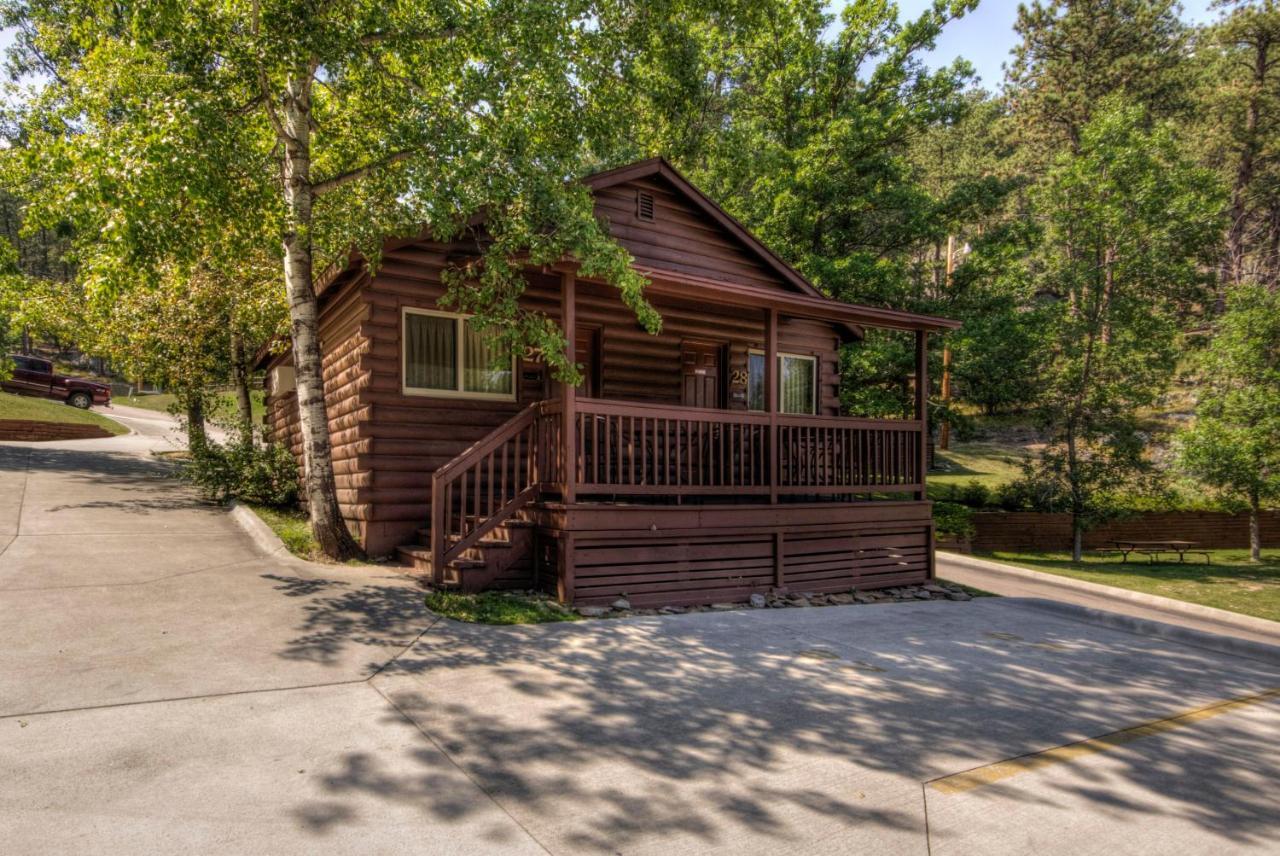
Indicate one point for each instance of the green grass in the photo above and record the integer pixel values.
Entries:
(47, 410)
(226, 404)
(492, 607)
(989, 463)
(292, 527)
(1231, 582)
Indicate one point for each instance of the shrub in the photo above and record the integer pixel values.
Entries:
(264, 475)
(974, 494)
(950, 518)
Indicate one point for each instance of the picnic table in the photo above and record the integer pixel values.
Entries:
(1153, 549)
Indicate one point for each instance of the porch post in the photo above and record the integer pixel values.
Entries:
(771, 397)
(569, 392)
(922, 409)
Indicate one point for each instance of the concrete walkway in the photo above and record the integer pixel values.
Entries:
(166, 688)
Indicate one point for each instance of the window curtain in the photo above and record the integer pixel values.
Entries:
(430, 352)
(486, 366)
(798, 376)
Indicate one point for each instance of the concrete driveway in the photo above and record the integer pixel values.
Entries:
(165, 688)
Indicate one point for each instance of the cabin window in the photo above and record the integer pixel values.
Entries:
(797, 379)
(445, 355)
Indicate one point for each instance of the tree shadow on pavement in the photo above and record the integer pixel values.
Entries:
(610, 735)
(387, 613)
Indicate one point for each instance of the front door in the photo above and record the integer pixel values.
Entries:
(701, 365)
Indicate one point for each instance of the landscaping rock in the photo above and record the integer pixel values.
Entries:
(757, 601)
(621, 603)
(723, 607)
(593, 611)
(960, 595)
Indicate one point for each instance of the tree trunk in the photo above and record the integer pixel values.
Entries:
(1255, 529)
(1077, 497)
(1239, 213)
(320, 488)
(240, 378)
(196, 436)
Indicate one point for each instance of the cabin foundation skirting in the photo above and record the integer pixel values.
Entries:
(592, 555)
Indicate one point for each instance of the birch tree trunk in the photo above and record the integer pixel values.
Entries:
(320, 488)
(240, 378)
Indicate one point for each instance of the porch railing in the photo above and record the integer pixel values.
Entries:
(635, 449)
(484, 486)
(632, 449)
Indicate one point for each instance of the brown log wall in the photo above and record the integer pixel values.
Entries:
(387, 444)
(343, 347)
(1013, 531)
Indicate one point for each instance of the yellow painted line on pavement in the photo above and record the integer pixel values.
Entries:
(978, 777)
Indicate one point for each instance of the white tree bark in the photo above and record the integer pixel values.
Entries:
(327, 525)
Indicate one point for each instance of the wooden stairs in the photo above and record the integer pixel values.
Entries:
(502, 559)
(478, 537)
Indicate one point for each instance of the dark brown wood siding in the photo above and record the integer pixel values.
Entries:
(688, 556)
(387, 444)
(680, 237)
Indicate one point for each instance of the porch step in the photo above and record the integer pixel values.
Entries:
(419, 558)
(478, 565)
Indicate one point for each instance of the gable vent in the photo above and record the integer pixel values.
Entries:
(644, 205)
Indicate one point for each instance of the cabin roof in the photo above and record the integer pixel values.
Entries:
(660, 167)
(803, 299)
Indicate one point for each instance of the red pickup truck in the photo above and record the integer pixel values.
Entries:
(34, 376)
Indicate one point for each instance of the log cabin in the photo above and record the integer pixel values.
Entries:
(699, 465)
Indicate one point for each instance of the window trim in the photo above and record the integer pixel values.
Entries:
(813, 358)
(460, 346)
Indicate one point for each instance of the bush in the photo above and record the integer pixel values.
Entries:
(974, 494)
(950, 518)
(263, 475)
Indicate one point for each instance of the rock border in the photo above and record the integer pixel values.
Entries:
(936, 590)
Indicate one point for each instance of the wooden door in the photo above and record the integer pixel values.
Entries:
(702, 370)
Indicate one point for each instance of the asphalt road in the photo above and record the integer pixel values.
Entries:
(164, 687)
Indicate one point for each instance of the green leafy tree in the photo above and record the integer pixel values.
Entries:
(1076, 53)
(316, 128)
(1128, 225)
(1234, 445)
(1237, 132)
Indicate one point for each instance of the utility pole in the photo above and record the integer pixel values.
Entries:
(944, 432)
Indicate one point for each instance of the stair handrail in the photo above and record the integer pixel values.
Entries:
(446, 476)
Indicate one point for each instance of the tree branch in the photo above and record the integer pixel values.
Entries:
(320, 188)
(386, 36)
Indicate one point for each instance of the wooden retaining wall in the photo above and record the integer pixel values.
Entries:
(998, 531)
(29, 431)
